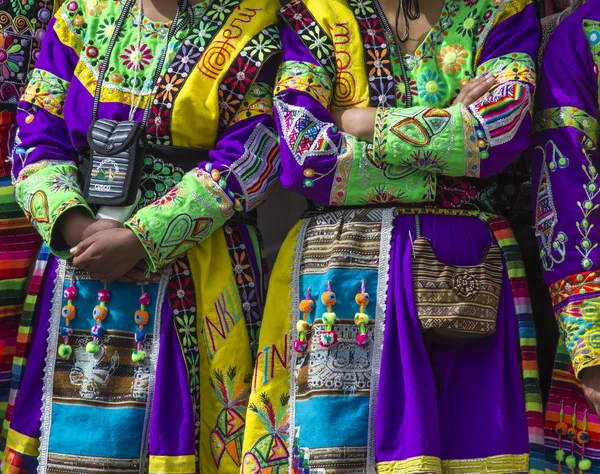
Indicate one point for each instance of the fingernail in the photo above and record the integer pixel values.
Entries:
(490, 77)
(73, 250)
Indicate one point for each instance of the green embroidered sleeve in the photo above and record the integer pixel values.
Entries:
(182, 218)
(474, 141)
(46, 190)
(579, 324)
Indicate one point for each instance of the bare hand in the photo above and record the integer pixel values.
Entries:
(139, 274)
(99, 225)
(590, 378)
(475, 89)
(359, 121)
(109, 254)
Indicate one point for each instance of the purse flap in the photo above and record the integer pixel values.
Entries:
(109, 137)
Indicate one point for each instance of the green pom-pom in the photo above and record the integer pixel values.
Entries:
(585, 464)
(560, 455)
(65, 351)
(138, 356)
(92, 347)
(571, 462)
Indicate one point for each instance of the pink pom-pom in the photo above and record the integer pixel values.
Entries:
(299, 345)
(70, 293)
(104, 295)
(362, 339)
(145, 299)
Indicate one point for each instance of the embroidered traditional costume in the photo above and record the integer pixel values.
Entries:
(22, 27)
(347, 378)
(151, 379)
(566, 179)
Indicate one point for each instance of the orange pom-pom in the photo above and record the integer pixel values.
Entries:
(100, 313)
(362, 299)
(306, 306)
(68, 312)
(328, 298)
(141, 317)
(561, 428)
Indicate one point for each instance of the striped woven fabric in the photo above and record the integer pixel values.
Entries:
(19, 245)
(533, 397)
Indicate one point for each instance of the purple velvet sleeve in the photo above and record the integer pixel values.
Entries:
(565, 157)
(43, 133)
(513, 94)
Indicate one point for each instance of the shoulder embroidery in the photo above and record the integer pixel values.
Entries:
(314, 37)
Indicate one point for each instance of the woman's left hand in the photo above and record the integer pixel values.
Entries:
(359, 121)
(109, 254)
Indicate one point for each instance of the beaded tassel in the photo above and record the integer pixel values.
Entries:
(329, 337)
(141, 318)
(99, 314)
(583, 438)
(571, 460)
(68, 312)
(303, 326)
(561, 429)
(361, 318)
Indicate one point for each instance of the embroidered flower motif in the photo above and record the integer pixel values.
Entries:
(262, 46)
(250, 305)
(318, 43)
(186, 59)
(378, 62)
(107, 29)
(452, 58)
(471, 3)
(385, 93)
(382, 195)
(64, 182)
(133, 57)
(187, 327)
(401, 88)
(432, 87)
(202, 33)
(157, 123)
(364, 8)
(374, 32)
(95, 7)
(227, 104)
(11, 55)
(169, 88)
(241, 75)
(240, 265)
(169, 199)
(300, 14)
(467, 28)
(427, 161)
(221, 10)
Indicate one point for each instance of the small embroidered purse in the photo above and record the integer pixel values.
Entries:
(116, 157)
(455, 304)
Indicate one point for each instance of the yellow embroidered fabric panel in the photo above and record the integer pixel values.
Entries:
(304, 77)
(202, 86)
(338, 20)
(503, 464)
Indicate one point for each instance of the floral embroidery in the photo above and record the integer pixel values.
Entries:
(12, 56)
(311, 34)
(228, 434)
(591, 30)
(578, 325)
(246, 281)
(452, 58)
(270, 453)
(46, 91)
(585, 284)
(431, 86)
(468, 26)
(133, 57)
(304, 77)
(182, 299)
(549, 119)
(376, 52)
(592, 190)
(401, 91)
